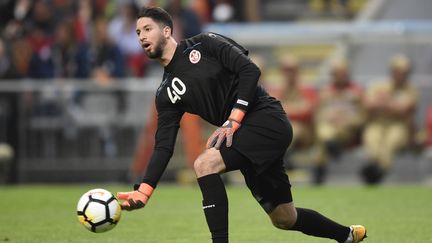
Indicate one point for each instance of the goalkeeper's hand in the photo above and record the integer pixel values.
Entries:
(135, 199)
(227, 130)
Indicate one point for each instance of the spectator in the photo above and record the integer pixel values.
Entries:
(122, 32)
(43, 16)
(64, 58)
(41, 27)
(186, 21)
(7, 68)
(299, 102)
(106, 60)
(391, 105)
(339, 117)
(83, 19)
(21, 53)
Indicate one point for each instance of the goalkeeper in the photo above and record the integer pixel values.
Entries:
(210, 75)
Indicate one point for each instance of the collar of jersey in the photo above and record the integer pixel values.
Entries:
(177, 54)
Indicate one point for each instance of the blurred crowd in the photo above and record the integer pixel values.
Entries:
(342, 114)
(44, 39)
(96, 39)
(88, 40)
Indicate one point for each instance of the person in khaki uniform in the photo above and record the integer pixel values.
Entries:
(299, 101)
(391, 106)
(339, 117)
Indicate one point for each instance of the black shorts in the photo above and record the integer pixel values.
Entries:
(264, 136)
(257, 151)
(270, 187)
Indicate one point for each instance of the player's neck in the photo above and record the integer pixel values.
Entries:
(169, 51)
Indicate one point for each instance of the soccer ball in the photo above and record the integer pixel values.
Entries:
(98, 210)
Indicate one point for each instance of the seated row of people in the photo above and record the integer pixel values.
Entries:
(342, 114)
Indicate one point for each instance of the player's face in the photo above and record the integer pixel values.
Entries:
(152, 37)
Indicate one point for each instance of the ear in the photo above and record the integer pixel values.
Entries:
(166, 31)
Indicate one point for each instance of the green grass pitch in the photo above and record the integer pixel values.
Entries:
(45, 213)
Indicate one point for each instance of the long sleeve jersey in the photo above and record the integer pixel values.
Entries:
(209, 75)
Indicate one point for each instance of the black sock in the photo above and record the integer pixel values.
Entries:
(313, 223)
(215, 205)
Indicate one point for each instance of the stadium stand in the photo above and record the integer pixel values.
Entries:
(82, 129)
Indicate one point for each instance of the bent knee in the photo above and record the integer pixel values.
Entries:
(284, 216)
(209, 162)
(201, 167)
(284, 223)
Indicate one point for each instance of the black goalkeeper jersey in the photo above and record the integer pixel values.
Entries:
(209, 75)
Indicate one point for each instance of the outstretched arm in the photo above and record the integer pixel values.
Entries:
(168, 125)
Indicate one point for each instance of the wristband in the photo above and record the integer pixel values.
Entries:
(236, 115)
(146, 189)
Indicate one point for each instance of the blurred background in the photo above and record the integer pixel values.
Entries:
(355, 77)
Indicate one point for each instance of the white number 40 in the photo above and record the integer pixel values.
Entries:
(179, 88)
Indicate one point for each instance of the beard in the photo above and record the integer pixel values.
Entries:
(158, 49)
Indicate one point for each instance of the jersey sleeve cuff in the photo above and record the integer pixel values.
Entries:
(241, 104)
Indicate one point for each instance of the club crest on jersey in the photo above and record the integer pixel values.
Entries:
(194, 56)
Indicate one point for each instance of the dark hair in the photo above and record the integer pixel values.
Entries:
(158, 15)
